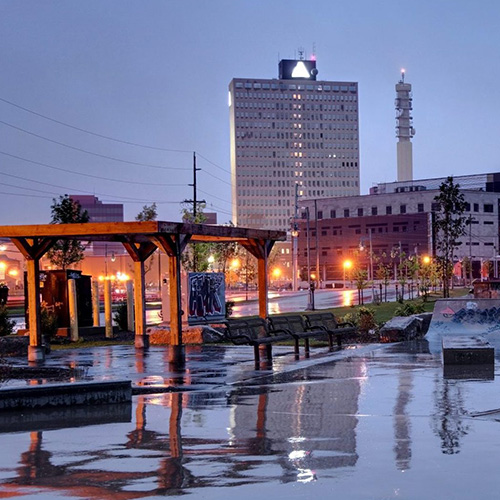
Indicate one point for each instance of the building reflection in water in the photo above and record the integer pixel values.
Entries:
(402, 425)
(448, 422)
(296, 430)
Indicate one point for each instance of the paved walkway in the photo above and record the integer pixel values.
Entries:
(371, 422)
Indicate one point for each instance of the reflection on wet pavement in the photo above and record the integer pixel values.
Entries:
(374, 422)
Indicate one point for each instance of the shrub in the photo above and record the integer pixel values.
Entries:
(363, 318)
(6, 324)
(48, 320)
(366, 320)
(229, 308)
(409, 308)
(121, 317)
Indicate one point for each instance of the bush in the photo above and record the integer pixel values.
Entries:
(229, 308)
(363, 318)
(409, 308)
(6, 324)
(48, 320)
(121, 317)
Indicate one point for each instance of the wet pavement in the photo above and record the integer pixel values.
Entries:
(366, 422)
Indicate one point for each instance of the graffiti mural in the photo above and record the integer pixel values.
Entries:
(206, 297)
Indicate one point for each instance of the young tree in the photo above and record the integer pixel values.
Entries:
(65, 253)
(148, 212)
(449, 225)
(195, 257)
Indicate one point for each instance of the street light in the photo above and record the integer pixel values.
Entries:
(211, 260)
(347, 265)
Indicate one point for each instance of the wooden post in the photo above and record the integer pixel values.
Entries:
(130, 306)
(176, 346)
(96, 310)
(108, 319)
(36, 350)
(73, 310)
(262, 285)
(141, 339)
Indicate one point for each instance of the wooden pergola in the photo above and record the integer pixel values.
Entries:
(140, 240)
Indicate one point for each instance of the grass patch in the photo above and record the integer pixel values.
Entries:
(385, 311)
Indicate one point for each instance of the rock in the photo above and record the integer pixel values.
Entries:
(401, 328)
(201, 334)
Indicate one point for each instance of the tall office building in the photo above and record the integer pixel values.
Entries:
(295, 130)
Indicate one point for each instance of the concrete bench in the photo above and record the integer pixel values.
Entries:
(465, 350)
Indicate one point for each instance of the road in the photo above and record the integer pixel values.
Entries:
(283, 302)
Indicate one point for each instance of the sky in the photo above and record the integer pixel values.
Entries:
(111, 98)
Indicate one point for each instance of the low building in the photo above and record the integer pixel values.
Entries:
(397, 217)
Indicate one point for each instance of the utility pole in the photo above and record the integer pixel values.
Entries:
(318, 277)
(295, 235)
(194, 201)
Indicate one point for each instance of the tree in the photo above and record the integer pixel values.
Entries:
(65, 253)
(195, 257)
(147, 213)
(449, 225)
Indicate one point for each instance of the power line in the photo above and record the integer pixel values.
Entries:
(215, 177)
(161, 167)
(88, 175)
(93, 133)
(212, 163)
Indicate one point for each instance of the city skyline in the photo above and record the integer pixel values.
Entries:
(156, 74)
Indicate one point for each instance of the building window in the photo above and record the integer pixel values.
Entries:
(488, 222)
(357, 231)
(488, 208)
(320, 214)
(346, 212)
(476, 207)
(420, 207)
(333, 214)
(467, 207)
(402, 209)
(374, 211)
(360, 212)
(388, 210)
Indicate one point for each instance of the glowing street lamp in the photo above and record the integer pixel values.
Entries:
(347, 265)
(211, 260)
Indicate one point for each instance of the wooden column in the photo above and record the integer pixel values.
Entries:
(139, 252)
(173, 246)
(96, 310)
(139, 304)
(130, 305)
(73, 311)
(36, 350)
(108, 314)
(262, 285)
(33, 250)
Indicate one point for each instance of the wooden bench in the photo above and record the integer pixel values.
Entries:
(326, 321)
(255, 332)
(296, 325)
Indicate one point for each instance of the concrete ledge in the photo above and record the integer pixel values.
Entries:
(81, 393)
(461, 350)
(63, 417)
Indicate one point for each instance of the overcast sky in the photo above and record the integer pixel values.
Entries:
(156, 73)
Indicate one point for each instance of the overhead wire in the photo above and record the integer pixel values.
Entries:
(161, 167)
(130, 143)
(88, 175)
(105, 156)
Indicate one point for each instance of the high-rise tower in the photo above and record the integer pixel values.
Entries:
(404, 129)
(288, 131)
